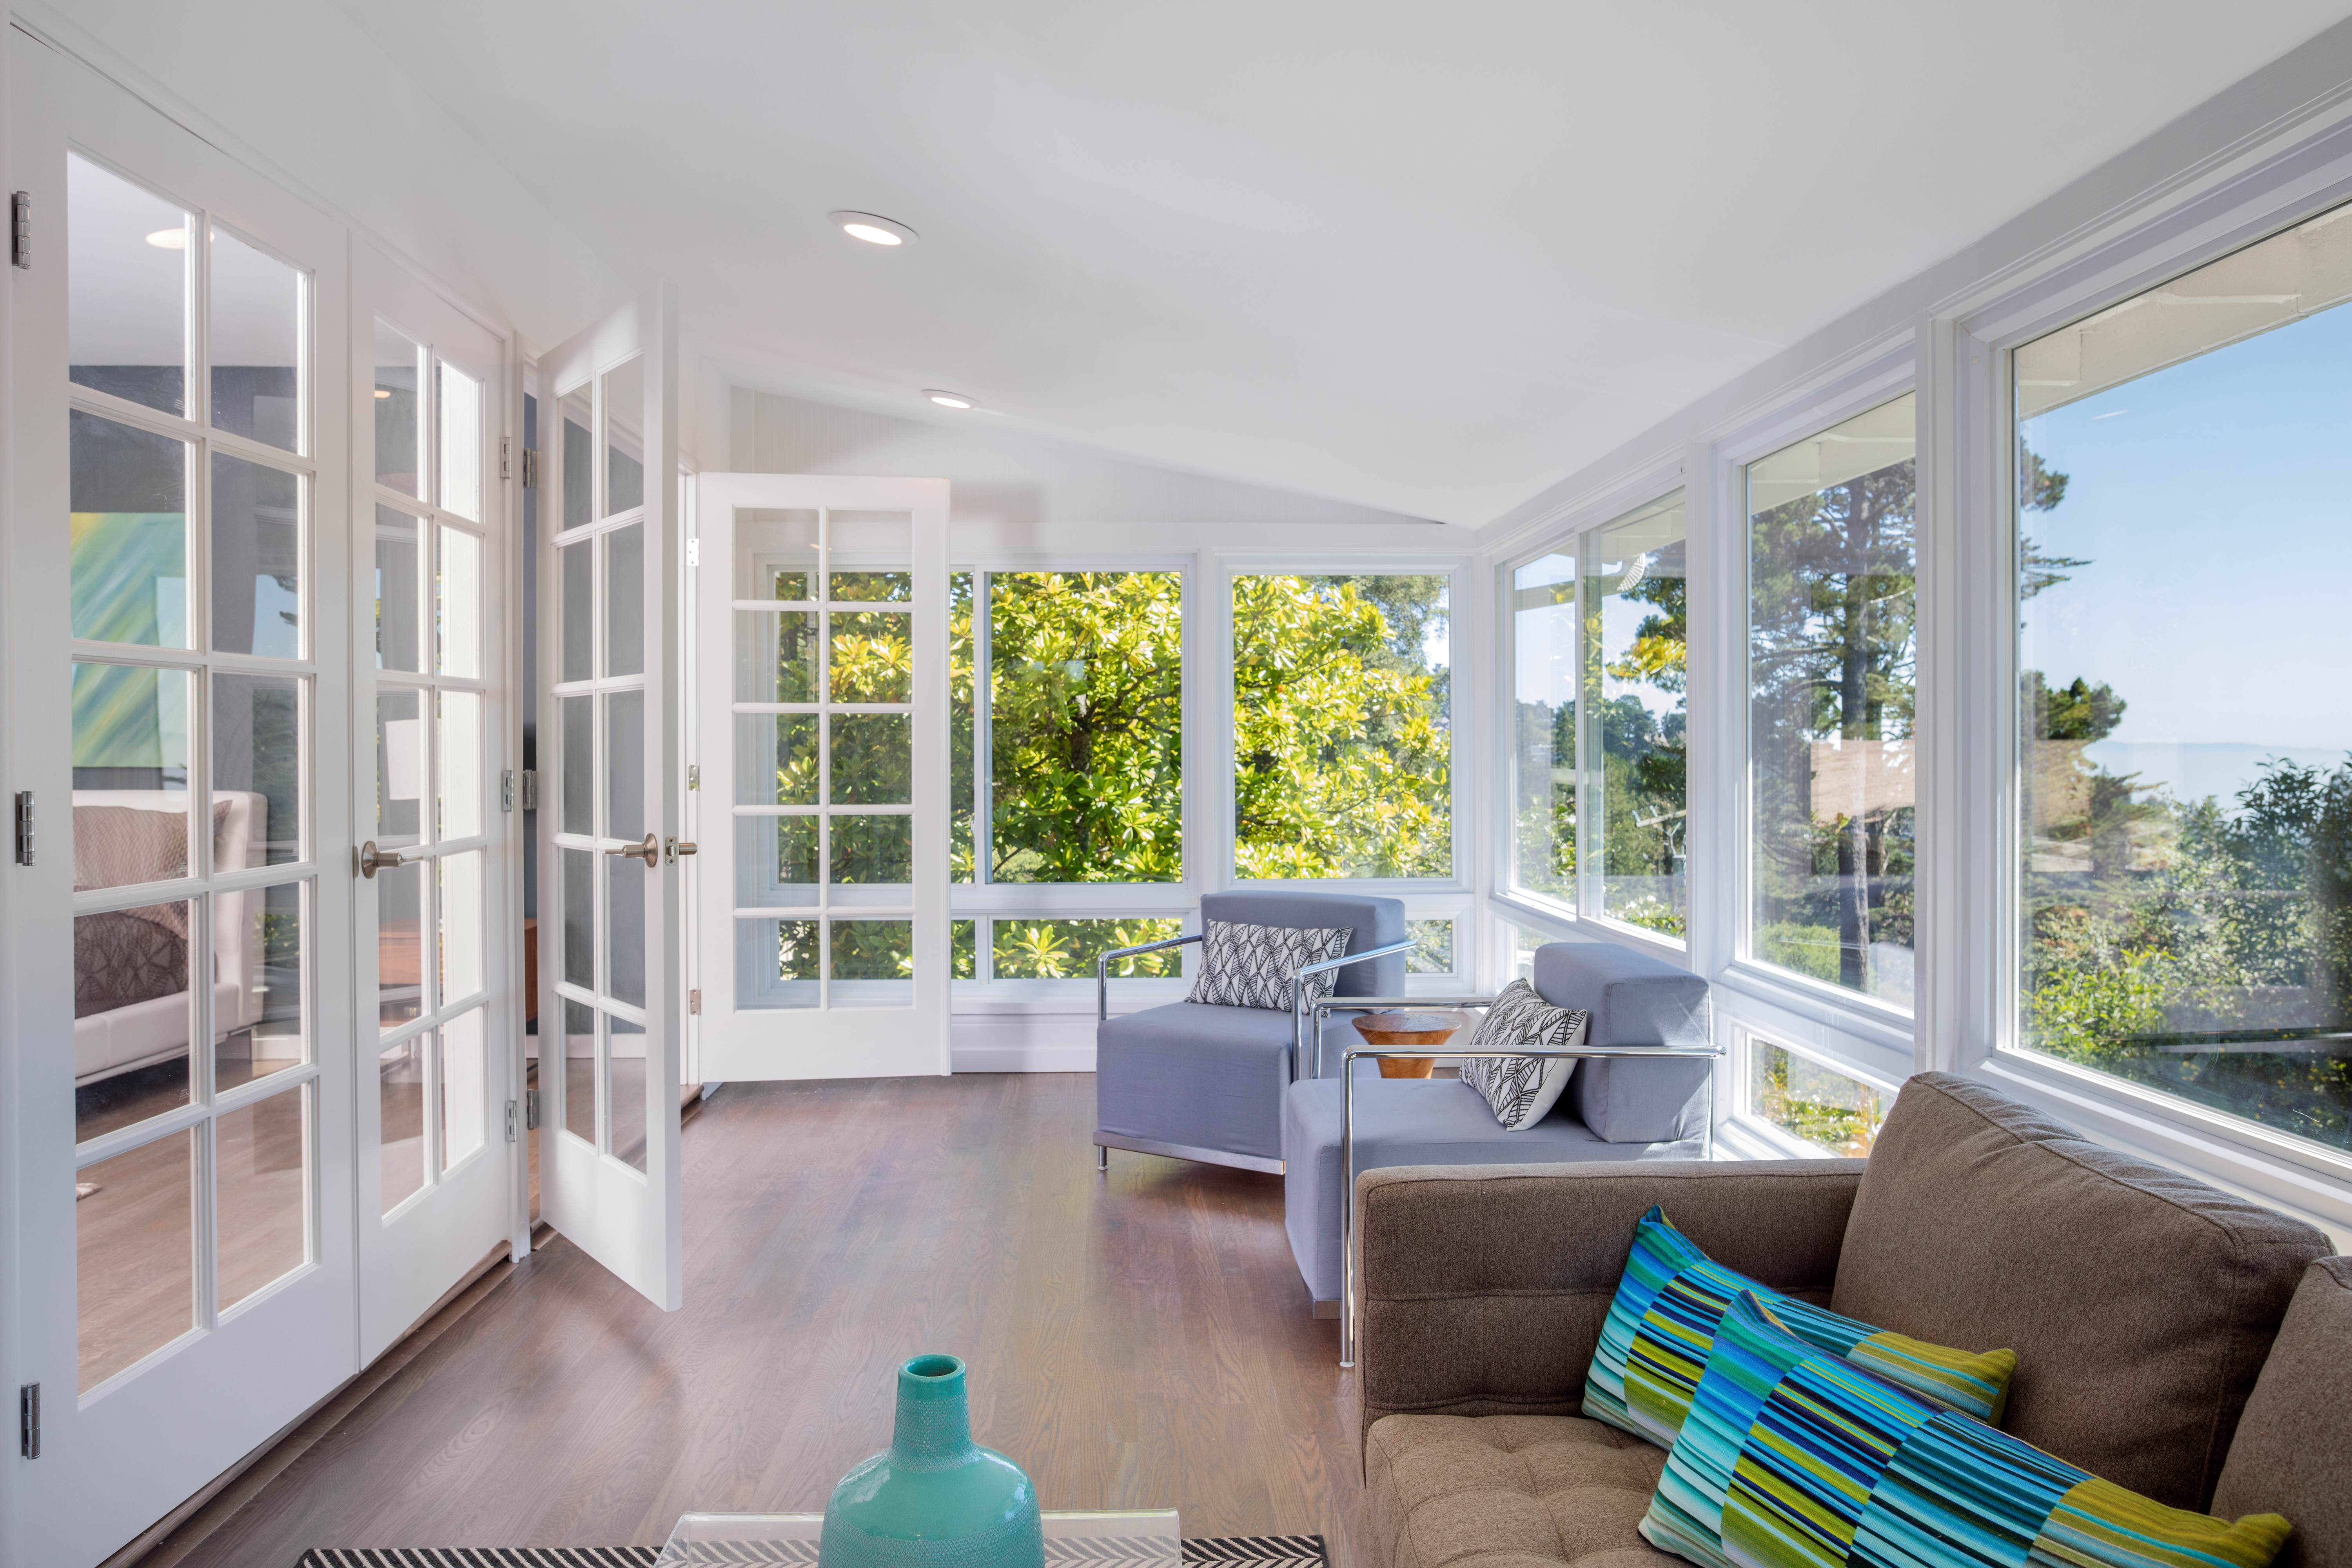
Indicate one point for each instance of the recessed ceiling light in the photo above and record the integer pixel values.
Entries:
(384, 392)
(949, 399)
(874, 229)
(169, 239)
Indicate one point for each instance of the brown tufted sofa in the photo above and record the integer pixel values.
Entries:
(2170, 1338)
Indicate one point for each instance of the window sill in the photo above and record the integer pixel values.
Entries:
(2239, 1156)
(1747, 1137)
(1876, 1038)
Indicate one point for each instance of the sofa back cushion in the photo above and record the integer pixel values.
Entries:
(1377, 922)
(1634, 1000)
(2140, 1304)
(2293, 1453)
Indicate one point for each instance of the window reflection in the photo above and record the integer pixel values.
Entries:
(1833, 695)
(127, 288)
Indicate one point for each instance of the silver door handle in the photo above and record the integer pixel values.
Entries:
(373, 859)
(649, 851)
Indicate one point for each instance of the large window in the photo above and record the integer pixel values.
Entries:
(1831, 685)
(1342, 727)
(1067, 762)
(1600, 671)
(1544, 683)
(2185, 749)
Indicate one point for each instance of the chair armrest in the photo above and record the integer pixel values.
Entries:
(1102, 968)
(1298, 996)
(1483, 1287)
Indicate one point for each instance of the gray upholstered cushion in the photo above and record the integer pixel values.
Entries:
(1522, 1490)
(1411, 1122)
(1634, 1000)
(1199, 1077)
(2140, 1304)
(1377, 922)
(2293, 1453)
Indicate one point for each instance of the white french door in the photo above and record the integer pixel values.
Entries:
(432, 851)
(822, 741)
(611, 1007)
(177, 1124)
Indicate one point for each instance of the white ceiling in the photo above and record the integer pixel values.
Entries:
(1424, 257)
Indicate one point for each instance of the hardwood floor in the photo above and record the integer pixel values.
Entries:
(1136, 1340)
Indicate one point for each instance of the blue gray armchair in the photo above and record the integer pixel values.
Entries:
(1197, 1082)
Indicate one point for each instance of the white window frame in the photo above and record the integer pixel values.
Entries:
(1969, 1002)
(980, 899)
(1451, 897)
(1508, 899)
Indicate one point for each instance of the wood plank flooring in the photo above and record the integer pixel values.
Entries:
(1136, 1340)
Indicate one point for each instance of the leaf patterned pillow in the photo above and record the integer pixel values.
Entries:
(1252, 966)
(1521, 1091)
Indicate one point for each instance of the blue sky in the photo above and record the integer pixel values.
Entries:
(2213, 500)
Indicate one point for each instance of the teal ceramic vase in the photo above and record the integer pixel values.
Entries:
(935, 1498)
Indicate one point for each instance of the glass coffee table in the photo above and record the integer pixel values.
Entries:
(1130, 1538)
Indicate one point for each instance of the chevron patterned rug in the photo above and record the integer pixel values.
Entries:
(1208, 1550)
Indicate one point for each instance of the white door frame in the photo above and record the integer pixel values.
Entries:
(822, 1041)
(114, 1461)
(628, 1220)
(410, 1256)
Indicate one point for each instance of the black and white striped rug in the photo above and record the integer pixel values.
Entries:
(1208, 1550)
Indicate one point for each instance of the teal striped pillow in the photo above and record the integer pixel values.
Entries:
(1793, 1458)
(1654, 1341)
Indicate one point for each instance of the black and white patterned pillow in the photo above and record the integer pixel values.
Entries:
(1252, 966)
(1521, 1091)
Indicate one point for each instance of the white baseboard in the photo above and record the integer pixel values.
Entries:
(1021, 1042)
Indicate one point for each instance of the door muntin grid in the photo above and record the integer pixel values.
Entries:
(603, 556)
(194, 682)
(431, 772)
(822, 814)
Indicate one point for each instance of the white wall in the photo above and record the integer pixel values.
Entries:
(1028, 492)
(294, 90)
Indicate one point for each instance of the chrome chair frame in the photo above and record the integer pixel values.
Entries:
(1348, 1116)
(1297, 1001)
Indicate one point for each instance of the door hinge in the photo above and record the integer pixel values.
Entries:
(694, 1000)
(510, 1122)
(506, 790)
(530, 1109)
(28, 1420)
(20, 214)
(694, 552)
(531, 468)
(531, 789)
(24, 828)
(694, 775)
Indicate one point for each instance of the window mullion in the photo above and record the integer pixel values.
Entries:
(983, 793)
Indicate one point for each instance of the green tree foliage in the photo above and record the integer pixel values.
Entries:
(1341, 741)
(1645, 756)
(2168, 942)
(1833, 631)
(1086, 709)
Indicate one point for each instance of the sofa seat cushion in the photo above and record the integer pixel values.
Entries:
(2140, 1302)
(1508, 1491)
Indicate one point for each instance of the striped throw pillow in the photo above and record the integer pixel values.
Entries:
(1793, 1458)
(1655, 1340)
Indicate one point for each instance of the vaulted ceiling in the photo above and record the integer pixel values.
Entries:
(1424, 257)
